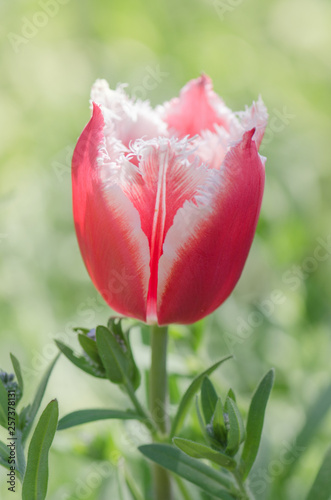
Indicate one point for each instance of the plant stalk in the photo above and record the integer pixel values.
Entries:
(158, 389)
(147, 419)
(243, 487)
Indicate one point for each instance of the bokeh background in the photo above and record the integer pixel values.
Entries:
(279, 315)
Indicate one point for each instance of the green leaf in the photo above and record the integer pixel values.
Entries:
(208, 399)
(36, 476)
(20, 457)
(4, 455)
(321, 488)
(236, 433)
(33, 409)
(255, 422)
(198, 450)
(200, 419)
(113, 358)
(81, 362)
(79, 329)
(84, 416)
(189, 394)
(18, 371)
(3, 405)
(90, 347)
(123, 340)
(315, 416)
(218, 423)
(231, 395)
(209, 480)
(132, 487)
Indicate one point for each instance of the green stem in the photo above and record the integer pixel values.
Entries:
(147, 419)
(158, 404)
(182, 488)
(246, 494)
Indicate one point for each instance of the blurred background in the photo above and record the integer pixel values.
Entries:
(279, 315)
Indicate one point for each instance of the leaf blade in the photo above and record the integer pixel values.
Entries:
(90, 347)
(111, 355)
(255, 422)
(236, 433)
(18, 371)
(3, 405)
(321, 488)
(91, 415)
(36, 476)
(189, 394)
(208, 399)
(315, 416)
(80, 361)
(4, 455)
(33, 410)
(198, 473)
(198, 450)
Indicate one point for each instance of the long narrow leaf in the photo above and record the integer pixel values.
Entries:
(18, 371)
(189, 395)
(4, 455)
(33, 410)
(90, 347)
(321, 489)
(88, 366)
(208, 399)
(84, 416)
(255, 422)
(315, 417)
(112, 357)
(36, 476)
(3, 405)
(209, 480)
(20, 456)
(198, 450)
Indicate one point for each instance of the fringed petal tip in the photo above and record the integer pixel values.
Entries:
(255, 116)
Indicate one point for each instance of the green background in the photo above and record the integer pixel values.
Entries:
(277, 316)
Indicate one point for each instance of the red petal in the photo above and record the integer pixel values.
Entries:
(167, 181)
(113, 246)
(206, 248)
(198, 108)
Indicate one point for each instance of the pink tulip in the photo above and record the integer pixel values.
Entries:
(166, 200)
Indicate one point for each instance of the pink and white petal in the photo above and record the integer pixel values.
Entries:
(168, 180)
(197, 108)
(206, 248)
(125, 119)
(212, 147)
(255, 117)
(114, 248)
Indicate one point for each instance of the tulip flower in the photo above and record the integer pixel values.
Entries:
(166, 200)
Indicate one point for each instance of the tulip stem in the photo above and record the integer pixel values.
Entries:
(158, 404)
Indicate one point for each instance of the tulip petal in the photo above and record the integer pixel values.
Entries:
(197, 108)
(205, 249)
(169, 177)
(114, 248)
(125, 119)
(255, 117)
